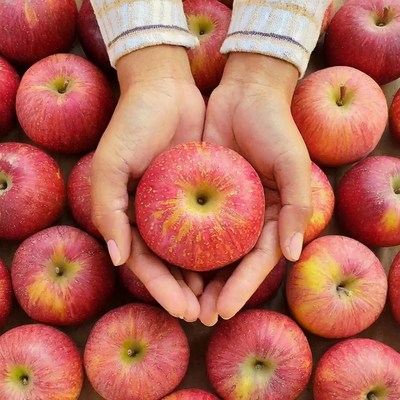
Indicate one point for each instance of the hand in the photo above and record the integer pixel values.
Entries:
(159, 106)
(250, 112)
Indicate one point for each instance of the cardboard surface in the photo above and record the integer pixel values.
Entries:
(385, 329)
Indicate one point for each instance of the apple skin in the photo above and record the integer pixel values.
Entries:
(32, 190)
(208, 20)
(79, 196)
(64, 103)
(200, 206)
(337, 288)
(258, 354)
(394, 116)
(358, 368)
(394, 287)
(339, 129)
(355, 38)
(190, 394)
(328, 15)
(34, 29)
(46, 357)
(368, 201)
(9, 82)
(6, 293)
(90, 37)
(62, 276)
(160, 353)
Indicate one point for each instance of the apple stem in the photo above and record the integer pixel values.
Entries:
(3, 185)
(343, 290)
(371, 396)
(24, 380)
(64, 87)
(59, 270)
(385, 17)
(131, 353)
(342, 93)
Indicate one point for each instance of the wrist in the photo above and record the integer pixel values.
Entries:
(151, 63)
(262, 71)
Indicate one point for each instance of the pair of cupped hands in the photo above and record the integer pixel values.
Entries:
(160, 106)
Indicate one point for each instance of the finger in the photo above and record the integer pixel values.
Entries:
(109, 177)
(208, 300)
(193, 307)
(250, 272)
(157, 278)
(293, 177)
(194, 281)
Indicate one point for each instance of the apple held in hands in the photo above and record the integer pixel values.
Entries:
(39, 362)
(209, 20)
(394, 287)
(337, 288)
(6, 293)
(258, 354)
(136, 351)
(200, 206)
(64, 103)
(9, 82)
(32, 190)
(62, 276)
(364, 34)
(358, 368)
(32, 30)
(368, 201)
(341, 114)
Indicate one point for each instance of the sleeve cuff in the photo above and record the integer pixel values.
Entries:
(131, 25)
(288, 30)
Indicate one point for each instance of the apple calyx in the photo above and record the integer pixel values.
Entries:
(371, 396)
(341, 289)
(396, 185)
(5, 183)
(342, 94)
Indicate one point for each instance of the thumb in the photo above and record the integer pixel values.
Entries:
(109, 180)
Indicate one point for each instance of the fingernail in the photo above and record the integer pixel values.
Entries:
(114, 252)
(296, 246)
(176, 316)
(212, 322)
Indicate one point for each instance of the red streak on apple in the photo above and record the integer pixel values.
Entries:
(200, 206)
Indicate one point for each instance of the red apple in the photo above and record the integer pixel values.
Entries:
(364, 34)
(34, 29)
(32, 190)
(6, 293)
(368, 201)
(394, 115)
(62, 276)
(341, 113)
(337, 288)
(269, 286)
(78, 194)
(394, 287)
(90, 37)
(358, 368)
(328, 15)
(39, 362)
(9, 82)
(200, 206)
(258, 354)
(64, 103)
(190, 394)
(136, 351)
(209, 20)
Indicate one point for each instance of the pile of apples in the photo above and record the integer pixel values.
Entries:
(75, 327)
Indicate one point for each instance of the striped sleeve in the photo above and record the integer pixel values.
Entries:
(128, 25)
(287, 30)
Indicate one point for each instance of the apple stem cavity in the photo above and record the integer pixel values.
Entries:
(59, 270)
(342, 94)
(131, 353)
(371, 396)
(3, 184)
(24, 379)
(342, 290)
